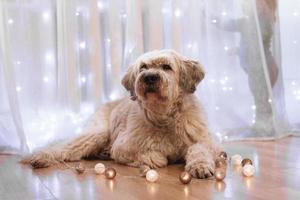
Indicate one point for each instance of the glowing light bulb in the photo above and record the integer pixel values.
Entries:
(296, 14)
(270, 100)
(87, 109)
(222, 82)
(99, 168)
(46, 79)
(295, 42)
(49, 57)
(214, 21)
(253, 107)
(46, 16)
(152, 175)
(100, 5)
(108, 40)
(82, 45)
(114, 95)
(248, 170)
(18, 88)
(226, 48)
(189, 46)
(77, 13)
(218, 134)
(18, 62)
(220, 174)
(83, 79)
(217, 108)
(294, 92)
(10, 21)
(224, 13)
(177, 13)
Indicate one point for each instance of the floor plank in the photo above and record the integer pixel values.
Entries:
(19, 182)
(277, 177)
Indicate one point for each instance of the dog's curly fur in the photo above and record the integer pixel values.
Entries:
(161, 123)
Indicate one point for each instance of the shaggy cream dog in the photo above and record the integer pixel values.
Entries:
(160, 123)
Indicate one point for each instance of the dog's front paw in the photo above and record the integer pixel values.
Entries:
(199, 168)
(153, 159)
(38, 160)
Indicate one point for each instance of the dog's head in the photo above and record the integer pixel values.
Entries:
(161, 76)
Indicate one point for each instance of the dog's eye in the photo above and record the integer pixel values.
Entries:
(166, 67)
(143, 67)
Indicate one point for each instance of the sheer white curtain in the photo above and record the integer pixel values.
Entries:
(60, 60)
(289, 12)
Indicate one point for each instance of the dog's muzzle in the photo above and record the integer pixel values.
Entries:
(151, 82)
(151, 79)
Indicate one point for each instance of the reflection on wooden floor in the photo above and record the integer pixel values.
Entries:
(277, 177)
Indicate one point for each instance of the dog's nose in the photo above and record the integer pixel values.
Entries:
(151, 78)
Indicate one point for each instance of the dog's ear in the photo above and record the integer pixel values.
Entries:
(128, 82)
(191, 74)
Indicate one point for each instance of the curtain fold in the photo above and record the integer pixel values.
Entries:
(67, 68)
(60, 60)
(9, 81)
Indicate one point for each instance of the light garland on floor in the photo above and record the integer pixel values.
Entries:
(152, 175)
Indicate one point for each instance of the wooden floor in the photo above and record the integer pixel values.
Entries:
(277, 177)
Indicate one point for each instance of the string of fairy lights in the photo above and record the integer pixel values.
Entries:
(236, 163)
(224, 83)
